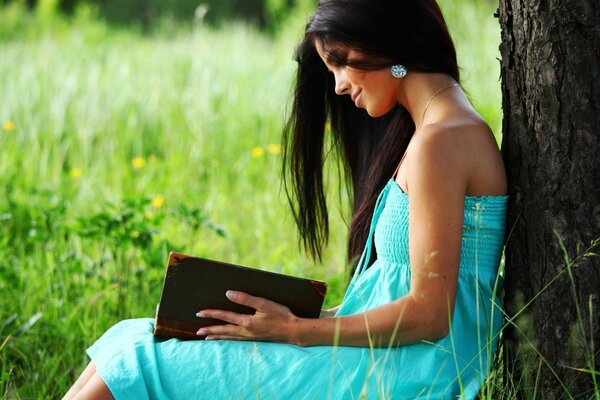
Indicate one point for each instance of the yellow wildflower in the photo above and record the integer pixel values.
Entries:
(274, 149)
(258, 152)
(158, 201)
(138, 162)
(135, 234)
(9, 125)
(75, 173)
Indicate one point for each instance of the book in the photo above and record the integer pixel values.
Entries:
(192, 284)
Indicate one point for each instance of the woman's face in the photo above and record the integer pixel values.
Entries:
(374, 91)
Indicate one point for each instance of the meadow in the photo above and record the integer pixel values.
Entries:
(117, 147)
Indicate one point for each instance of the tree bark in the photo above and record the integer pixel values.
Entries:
(551, 144)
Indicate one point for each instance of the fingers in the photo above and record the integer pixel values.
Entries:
(221, 331)
(259, 304)
(245, 299)
(229, 316)
(225, 332)
(223, 315)
(225, 337)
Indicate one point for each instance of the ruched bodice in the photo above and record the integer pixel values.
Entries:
(393, 225)
(483, 229)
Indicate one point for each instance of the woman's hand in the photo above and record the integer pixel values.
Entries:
(270, 322)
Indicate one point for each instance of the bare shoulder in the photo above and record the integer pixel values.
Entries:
(461, 152)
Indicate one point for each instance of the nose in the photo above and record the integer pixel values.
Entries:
(341, 82)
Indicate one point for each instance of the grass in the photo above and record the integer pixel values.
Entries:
(101, 128)
(116, 148)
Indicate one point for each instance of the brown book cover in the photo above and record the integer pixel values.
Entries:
(193, 284)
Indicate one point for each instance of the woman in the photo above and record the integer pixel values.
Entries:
(420, 318)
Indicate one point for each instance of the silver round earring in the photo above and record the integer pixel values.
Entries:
(398, 71)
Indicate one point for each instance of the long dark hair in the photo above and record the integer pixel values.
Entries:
(408, 32)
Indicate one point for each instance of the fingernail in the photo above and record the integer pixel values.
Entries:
(199, 314)
(201, 332)
(231, 294)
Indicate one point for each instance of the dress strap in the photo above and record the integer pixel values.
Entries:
(399, 164)
(366, 254)
(394, 176)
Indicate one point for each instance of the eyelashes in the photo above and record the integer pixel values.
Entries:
(337, 57)
(337, 61)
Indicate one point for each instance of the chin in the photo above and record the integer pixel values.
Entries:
(377, 112)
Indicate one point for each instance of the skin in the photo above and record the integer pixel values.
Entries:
(89, 386)
(453, 153)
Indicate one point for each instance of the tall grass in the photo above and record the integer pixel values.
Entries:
(116, 148)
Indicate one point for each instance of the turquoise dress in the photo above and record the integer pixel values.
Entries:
(135, 365)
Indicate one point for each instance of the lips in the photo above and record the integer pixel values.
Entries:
(356, 97)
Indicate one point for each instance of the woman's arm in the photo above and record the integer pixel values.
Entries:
(436, 176)
(437, 189)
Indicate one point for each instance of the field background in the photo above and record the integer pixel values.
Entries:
(119, 145)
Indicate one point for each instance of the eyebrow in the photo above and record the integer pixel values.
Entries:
(336, 56)
(335, 53)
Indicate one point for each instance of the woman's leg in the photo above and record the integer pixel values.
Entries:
(85, 376)
(94, 389)
(89, 386)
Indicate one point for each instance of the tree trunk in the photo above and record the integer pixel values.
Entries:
(551, 144)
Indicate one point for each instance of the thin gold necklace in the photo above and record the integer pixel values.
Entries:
(437, 93)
